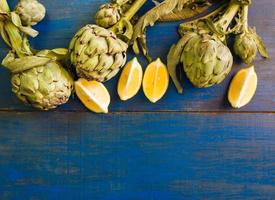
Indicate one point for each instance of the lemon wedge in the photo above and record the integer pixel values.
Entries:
(155, 81)
(243, 87)
(93, 95)
(130, 80)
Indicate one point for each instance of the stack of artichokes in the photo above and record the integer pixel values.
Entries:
(38, 77)
(98, 51)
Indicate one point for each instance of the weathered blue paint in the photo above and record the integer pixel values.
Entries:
(137, 156)
(140, 150)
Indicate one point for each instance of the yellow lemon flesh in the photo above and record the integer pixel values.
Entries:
(155, 81)
(93, 95)
(243, 87)
(130, 80)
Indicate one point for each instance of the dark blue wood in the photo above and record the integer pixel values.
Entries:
(190, 146)
(163, 156)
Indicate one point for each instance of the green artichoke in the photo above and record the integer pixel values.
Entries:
(97, 53)
(206, 61)
(248, 42)
(40, 80)
(30, 11)
(245, 47)
(108, 15)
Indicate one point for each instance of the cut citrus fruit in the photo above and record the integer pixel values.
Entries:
(93, 95)
(130, 80)
(155, 81)
(243, 87)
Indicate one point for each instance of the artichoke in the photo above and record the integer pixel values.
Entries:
(206, 61)
(248, 42)
(38, 77)
(30, 11)
(108, 15)
(97, 53)
(245, 47)
(39, 80)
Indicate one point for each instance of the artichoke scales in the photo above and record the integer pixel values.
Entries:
(97, 53)
(206, 61)
(248, 42)
(108, 15)
(30, 11)
(245, 47)
(39, 81)
(38, 77)
(202, 50)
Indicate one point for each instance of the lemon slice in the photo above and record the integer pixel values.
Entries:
(155, 81)
(93, 95)
(243, 87)
(130, 80)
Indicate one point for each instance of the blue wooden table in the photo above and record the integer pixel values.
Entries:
(190, 146)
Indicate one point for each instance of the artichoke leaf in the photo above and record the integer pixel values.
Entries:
(17, 22)
(135, 47)
(124, 30)
(152, 16)
(15, 19)
(60, 51)
(4, 34)
(4, 7)
(185, 13)
(17, 65)
(15, 38)
(58, 54)
(160, 11)
(173, 59)
(260, 44)
(29, 31)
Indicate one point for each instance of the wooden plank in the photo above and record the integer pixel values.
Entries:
(63, 21)
(137, 156)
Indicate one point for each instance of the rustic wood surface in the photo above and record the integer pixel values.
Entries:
(190, 146)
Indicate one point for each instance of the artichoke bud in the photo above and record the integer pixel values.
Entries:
(248, 42)
(97, 53)
(30, 11)
(39, 81)
(206, 61)
(108, 15)
(245, 47)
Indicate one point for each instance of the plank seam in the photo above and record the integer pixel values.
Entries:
(144, 112)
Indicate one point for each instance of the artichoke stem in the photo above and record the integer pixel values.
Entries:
(228, 16)
(245, 18)
(134, 9)
(130, 13)
(4, 6)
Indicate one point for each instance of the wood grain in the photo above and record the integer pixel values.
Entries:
(190, 146)
(63, 21)
(164, 156)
